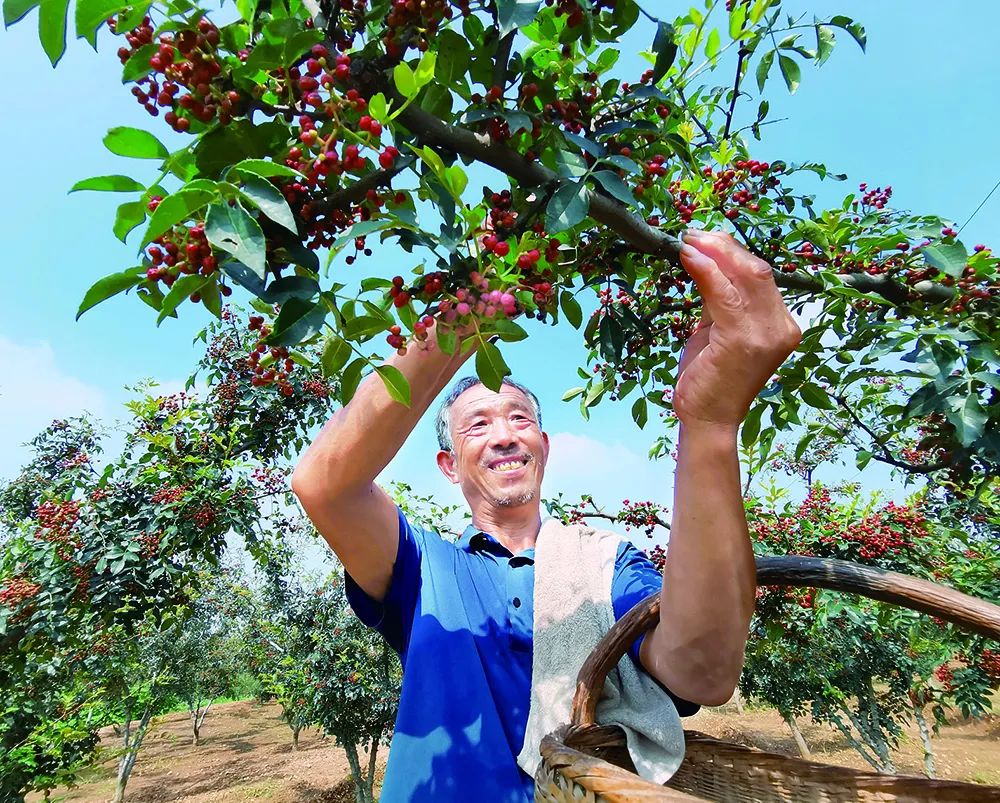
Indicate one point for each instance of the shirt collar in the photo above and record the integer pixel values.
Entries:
(475, 540)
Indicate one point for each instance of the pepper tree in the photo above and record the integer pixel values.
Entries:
(320, 130)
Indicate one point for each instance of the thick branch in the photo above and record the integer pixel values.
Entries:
(640, 236)
(341, 199)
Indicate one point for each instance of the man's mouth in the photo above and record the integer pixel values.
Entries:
(508, 464)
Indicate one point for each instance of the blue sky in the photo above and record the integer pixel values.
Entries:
(919, 111)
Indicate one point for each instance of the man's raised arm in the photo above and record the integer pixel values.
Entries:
(335, 478)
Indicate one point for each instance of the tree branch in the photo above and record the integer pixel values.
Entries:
(736, 91)
(502, 57)
(355, 193)
(886, 455)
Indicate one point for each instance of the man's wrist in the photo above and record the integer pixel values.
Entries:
(709, 433)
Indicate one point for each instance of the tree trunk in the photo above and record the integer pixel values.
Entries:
(800, 741)
(853, 742)
(372, 758)
(295, 738)
(132, 744)
(359, 784)
(738, 701)
(925, 738)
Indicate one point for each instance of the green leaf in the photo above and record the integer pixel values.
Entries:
(790, 72)
(109, 286)
(949, 258)
(514, 14)
(138, 64)
(52, 28)
(91, 14)
(615, 187)
(572, 393)
(571, 309)
(764, 67)
(713, 44)
(280, 290)
(134, 143)
(232, 229)
(567, 207)
(174, 209)
(456, 180)
(350, 379)
(424, 73)
(737, 19)
(509, 331)
(14, 10)
(378, 109)
(211, 299)
(336, 353)
(751, 425)
(453, 58)
(862, 458)
(247, 9)
(640, 412)
(447, 340)
(395, 383)
(855, 29)
(665, 50)
(128, 216)
(405, 80)
(490, 366)
(813, 233)
(108, 184)
(297, 321)
(269, 200)
(184, 287)
(825, 41)
(968, 416)
(594, 394)
(364, 326)
(815, 396)
(263, 169)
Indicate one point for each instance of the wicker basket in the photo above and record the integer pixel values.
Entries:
(587, 761)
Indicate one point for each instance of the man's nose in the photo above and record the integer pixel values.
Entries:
(502, 433)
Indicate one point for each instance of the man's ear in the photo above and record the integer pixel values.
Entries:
(446, 462)
(545, 440)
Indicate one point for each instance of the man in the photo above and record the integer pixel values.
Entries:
(460, 614)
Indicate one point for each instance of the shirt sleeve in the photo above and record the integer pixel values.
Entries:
(393, 616)
(635, 579)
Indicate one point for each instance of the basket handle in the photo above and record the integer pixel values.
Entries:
(970, 613)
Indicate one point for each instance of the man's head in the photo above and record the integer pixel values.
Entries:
(492, 444)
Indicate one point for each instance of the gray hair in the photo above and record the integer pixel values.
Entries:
(443, 424)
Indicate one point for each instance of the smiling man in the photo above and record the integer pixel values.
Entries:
(460, 614)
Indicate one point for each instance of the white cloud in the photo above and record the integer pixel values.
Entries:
(34, 390)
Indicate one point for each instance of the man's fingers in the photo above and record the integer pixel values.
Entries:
(739, 265)
(721, 299)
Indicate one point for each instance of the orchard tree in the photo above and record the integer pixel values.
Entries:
(307, 133)
(92, 555)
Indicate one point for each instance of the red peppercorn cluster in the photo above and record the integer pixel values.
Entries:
(877, 197)
(149, 543)
(56, 521)
(182, 250)
(641, 515)
(168, 495)
(265, 372)
(414, 23)
(75, 460)
(17, 591)
(188, 60)
(989, 662)
(204, 516)
(658, 556)
(573, 12)
(946, 677)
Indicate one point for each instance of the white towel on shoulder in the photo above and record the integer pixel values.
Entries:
(574, 568)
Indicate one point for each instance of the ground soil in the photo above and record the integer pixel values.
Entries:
(246, 755)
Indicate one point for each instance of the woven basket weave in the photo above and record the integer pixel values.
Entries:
(584, 761)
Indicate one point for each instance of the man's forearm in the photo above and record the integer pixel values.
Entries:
(360, 439)
(709, 580)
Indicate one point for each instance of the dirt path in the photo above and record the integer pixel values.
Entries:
(246, 755)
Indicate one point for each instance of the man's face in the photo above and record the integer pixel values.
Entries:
(499, 451)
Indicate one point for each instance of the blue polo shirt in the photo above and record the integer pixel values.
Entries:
(460, 615)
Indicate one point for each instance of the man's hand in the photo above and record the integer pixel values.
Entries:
(745, 333)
